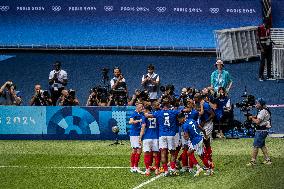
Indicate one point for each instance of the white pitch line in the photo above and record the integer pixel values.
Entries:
(15, 166)
(147, 182)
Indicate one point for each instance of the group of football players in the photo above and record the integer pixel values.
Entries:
(159, 129)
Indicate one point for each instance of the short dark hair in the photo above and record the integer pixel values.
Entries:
(116, 67)
(57, 63)
(150, 67)
(181, 115)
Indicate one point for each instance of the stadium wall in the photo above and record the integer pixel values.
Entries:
(84, 123)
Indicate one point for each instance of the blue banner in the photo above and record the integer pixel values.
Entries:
(64, 122)
(162, 23)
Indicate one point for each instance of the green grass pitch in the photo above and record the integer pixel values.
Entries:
(95, 164)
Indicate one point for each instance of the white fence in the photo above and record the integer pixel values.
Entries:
(236, 43)
(277, 38)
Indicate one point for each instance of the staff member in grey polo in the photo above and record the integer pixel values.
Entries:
(262, 121)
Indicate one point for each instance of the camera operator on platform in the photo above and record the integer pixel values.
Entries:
(57, 81)
(150, 82)
(263, 123)
(221, 78)
(9, 95)
(118, 88)
(40, 97)
(68, 98)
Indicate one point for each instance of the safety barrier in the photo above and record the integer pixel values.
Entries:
(236, 43)
(277, 38)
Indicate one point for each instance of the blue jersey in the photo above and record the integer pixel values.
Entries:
(167, 122)
(206, 114)
(193, 115)
(151, 129)
(136, 128)
(221, 104)
(191, 127)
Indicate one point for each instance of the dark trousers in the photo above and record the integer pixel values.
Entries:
(266, 55)
(55, 95)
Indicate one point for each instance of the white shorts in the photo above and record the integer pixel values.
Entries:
(167, 142)
(199, 148)
(208, 127)
(151, 145)
(134, 142)
(183, 141)
(189, 144)
(177, 140)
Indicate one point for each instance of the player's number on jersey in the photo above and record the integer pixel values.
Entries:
(152, 122)
(194, 127)
(167, 119)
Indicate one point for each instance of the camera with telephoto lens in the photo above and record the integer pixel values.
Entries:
(247, 103)
(10, 84)
(143, 94)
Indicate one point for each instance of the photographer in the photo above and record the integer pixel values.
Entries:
(138, 96)
(93, 98)
(9, 95)
(68, 98)
(223, 112)
(150, 82)
(40, 97)
(118, 87)
(262, 121)
(169, 94)
(183, 97)
(57, 81)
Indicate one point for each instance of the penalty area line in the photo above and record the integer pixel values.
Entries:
(147, 182)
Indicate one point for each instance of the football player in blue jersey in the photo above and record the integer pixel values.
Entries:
(135, 128)
(192, 132)
(206, 114)
(188, 153)
(167, 121)
(149, 137)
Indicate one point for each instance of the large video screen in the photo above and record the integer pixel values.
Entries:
(163, 23)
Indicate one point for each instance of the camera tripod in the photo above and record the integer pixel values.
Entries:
(116, 142)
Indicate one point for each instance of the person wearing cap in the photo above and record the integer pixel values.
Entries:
(262, 121)
(221, 77)
(150, 82)
(9, 95)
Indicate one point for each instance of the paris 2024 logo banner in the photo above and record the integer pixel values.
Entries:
(88, 122)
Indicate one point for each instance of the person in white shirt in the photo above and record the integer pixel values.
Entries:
(150, 82)
(57, 82)
(118, 88)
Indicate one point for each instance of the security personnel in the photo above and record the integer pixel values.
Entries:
(265, 46)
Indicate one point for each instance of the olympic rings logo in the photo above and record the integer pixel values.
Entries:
(161, 9)
(4, 8)
(214, 10)
(108, 8)
(56, 8)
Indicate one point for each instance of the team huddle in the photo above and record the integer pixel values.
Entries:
(160, 130)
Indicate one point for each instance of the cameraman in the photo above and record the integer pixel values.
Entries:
(150, 82)
(93, 99)
(40, 98)
(138, 96)
(118, 87)
(262, 121)
(9, 95)
(68, 98)
(57, 81)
